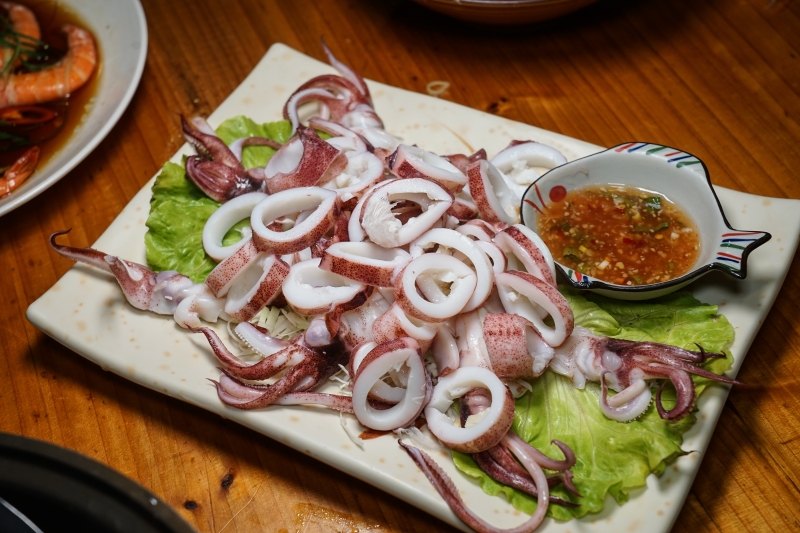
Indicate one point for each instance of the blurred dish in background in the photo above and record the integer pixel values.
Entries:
(65, 138)
(505, 12)
(46, 58)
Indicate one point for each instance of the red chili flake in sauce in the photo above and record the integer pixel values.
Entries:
(622, 235)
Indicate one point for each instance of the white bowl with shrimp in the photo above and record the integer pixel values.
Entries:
(120, 32)
(678, 176)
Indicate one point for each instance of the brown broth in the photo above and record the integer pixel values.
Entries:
(52, 15)
(621, 235)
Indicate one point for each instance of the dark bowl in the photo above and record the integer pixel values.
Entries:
(61, 490)
(505, 12)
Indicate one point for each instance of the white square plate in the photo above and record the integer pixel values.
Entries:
(87, 312)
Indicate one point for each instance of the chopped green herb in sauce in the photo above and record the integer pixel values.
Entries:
(621, 235)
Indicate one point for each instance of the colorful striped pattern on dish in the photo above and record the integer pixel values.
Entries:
(732, 245)
(681, 159)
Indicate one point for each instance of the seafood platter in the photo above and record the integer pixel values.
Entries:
(394, 284)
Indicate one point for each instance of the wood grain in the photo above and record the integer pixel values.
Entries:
(720, 79)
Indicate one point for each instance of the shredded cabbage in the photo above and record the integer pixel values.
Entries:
(281, 322)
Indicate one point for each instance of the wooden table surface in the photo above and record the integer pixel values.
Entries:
(719, 79)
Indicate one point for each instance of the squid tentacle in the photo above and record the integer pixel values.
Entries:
(447, 489)
(217, 171)
(291, 382)
(264, 369)
(520, 481)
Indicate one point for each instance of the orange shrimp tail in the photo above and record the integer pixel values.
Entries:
(19, 171)
(57, 81)
(24, 22)
(22, 19)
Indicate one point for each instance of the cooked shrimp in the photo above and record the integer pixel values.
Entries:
(23, 22)
(57, 81)
(19, 171)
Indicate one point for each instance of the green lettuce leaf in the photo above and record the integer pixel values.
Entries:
(254, 156)
(179, 209)
(178, 212)
(613, 458)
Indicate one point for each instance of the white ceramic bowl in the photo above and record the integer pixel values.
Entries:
(120, 30)
(679, 176)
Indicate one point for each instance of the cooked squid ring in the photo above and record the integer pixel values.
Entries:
(427, 272)
(304, 234)
(231, 268)
(355, 327)
(363, 170)
(365, 262)
(517, 160)
(463, 207)
(492, 195)
(519, 291)
(345, 139)
(380, 360)
(413, 162)
(458, 242)
(257, 286)
(532, 153)
(223, 219)
(358, 354)
(313, 291)
(529, 249)
(495, 254)
(489, 430)
(471, 341)
(374, 211)
(355, 231)
(478, 229)
(304, 161)
(381, 391)
(445, 351)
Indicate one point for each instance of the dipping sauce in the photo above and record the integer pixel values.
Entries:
(620, 234)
